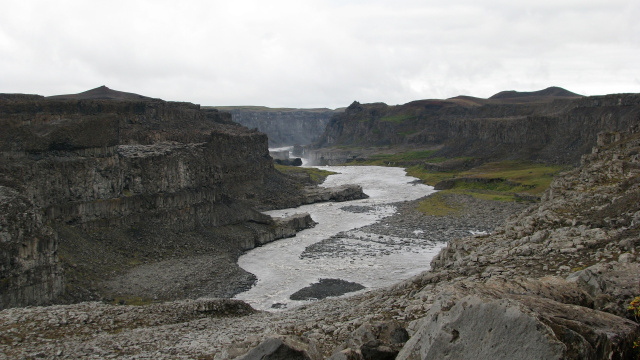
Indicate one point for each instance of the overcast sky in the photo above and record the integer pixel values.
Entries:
(307, 53)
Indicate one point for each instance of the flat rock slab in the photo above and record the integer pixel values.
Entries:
(326, 288)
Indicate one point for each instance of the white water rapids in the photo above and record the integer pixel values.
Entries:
(281, 270)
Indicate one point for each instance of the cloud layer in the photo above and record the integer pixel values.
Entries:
(319, 53)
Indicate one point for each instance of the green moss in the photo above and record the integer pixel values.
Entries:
(534, 178)
(397, 159)
(132, 300)
(429, 177)
(435, 205)
(519, 176)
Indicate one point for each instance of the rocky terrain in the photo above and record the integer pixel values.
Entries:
(97, 184)
(551, 126)
(553, 282)
(284, 127)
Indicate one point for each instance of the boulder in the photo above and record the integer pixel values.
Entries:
(518, 326)
(276, 349)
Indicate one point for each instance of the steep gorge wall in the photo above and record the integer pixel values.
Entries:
(98, 166)
(557, 131)
(284, 127)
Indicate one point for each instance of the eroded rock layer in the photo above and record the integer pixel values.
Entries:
(117, 177)
(549, 126)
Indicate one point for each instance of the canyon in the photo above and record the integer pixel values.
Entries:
(97, 184)
(550, 126)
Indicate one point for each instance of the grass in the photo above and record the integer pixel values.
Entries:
(132, 300)
(435, 205)
(397, 158)
(397, 119)
(316, 175)
(520, 177)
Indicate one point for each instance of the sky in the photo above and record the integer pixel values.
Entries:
(315, 53)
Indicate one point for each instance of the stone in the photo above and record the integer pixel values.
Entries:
(275, 349)
(477, 327)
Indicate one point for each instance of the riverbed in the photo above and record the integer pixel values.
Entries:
(356, 256)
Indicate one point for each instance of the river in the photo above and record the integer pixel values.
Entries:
(288, 265)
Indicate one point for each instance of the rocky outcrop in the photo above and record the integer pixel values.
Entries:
(284, 127)
(338, 193)
(120, 175)
(547, 126)
(29, 267)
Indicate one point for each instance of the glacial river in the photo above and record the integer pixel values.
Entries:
(282, 270)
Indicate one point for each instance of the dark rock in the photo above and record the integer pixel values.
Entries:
(549, 126)
(115, 175)
(275, 349)
(298, 150)
(289, 162)
(326, 288)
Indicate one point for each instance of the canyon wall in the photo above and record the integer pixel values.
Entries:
(284, 127)
(557, 129)
(86, 173)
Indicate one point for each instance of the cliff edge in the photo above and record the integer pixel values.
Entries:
(550, 126)
(98, 183)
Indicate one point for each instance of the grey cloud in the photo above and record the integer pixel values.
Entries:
(318, 53)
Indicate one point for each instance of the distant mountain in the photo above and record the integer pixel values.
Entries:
(101, 93)
(553, 91)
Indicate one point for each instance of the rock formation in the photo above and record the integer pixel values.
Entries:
(551, 125)
(553, 282)
(125, 177)
(284, 127)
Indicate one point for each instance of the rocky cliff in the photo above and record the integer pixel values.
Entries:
(552, 125)
(553, 283)
(284, 127)
(98, 182)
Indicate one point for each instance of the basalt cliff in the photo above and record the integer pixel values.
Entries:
(551, 126)
(95, 184)
(553, 282)
(284, 127)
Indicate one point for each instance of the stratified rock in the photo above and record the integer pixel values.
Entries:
(30, 271)
(120, 179)
(550, 126)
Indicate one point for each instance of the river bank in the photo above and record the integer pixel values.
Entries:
(214, 272)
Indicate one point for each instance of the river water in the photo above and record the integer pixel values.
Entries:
(284, 267)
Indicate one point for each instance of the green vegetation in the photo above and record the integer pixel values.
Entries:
(397, 159)
(508, 178)
(131, 300)
(436, 205)
(316, 175)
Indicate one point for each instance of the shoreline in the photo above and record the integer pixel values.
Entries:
(218, 275)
